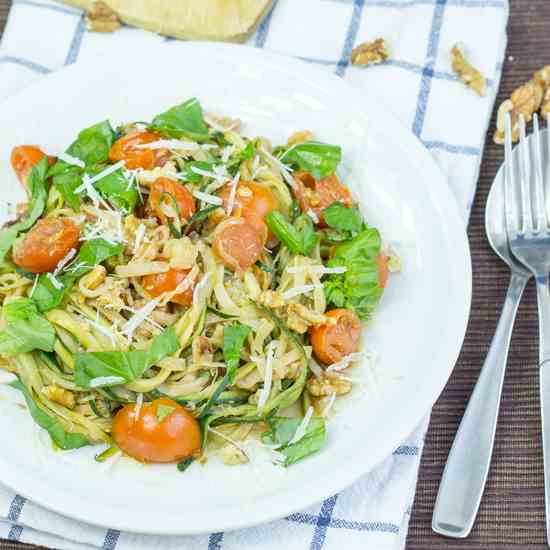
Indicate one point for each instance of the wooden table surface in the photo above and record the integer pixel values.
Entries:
(512, 510)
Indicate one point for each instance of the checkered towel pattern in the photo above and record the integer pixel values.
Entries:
(417, 84)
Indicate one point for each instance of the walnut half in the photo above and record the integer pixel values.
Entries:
(101, 18)
(370, 53)
(467, 74)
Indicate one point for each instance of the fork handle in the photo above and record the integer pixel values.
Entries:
(543, 295)
(467, 466)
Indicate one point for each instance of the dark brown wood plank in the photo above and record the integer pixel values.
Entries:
(512, 511)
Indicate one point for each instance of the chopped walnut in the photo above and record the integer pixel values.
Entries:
(525, 101)
(60, 395)
(101, 18)
(542, 76)
(181, 253)
(324, 386)
(93, 279)
(201, 350)
(467, 74)
(296, 323)
(309, 316)
(271, 298)
(545, 105)
(299, 137)
(370, 53)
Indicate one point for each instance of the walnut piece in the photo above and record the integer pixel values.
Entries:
(324, 386)
(101, 18)
(532, 96)
(466, 73)
(370, 53)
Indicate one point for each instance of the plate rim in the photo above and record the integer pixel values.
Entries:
(298, 68)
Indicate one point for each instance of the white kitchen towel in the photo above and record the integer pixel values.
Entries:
(417, 83)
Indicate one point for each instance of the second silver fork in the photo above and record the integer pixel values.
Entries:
(528, 228)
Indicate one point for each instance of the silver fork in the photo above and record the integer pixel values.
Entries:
(528, 230)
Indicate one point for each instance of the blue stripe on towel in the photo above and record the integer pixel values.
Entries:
(215, 541)
(351, 35)
(323, 522)
(263, 29)
(76, 42)
(25, 63)
(111, 539)
(14, 513)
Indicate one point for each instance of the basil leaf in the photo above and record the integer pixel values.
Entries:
(343, 218)
(26, 329)
(183, 120)
(114, 187)
(119, 367)
(283, 430)
(186, 170)
(319, 159)
(163, 411)
(245, 154)
(201, 215)
(233, 341)
(47, 296)
(358, 288)
(93, 144)
(66, 178)
(39, 194)
(63, 439)
(300, 238)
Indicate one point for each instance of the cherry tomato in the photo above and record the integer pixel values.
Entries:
(148, 439)
(253, 202)
(238, 243)
(46, 244)
(126, 148)
(316, 195)
(24, 157)
(331, 343)
(163, 193)
(159, 283)
(383, 272)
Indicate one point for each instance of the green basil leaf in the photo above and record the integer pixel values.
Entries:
(47, 296)
(283, 430)
(183, 120)
(358, 288)
(120, 367)
(63, 439)
(93, 144)
(245, 154)
(163, 411)
(284, 231)
(319, 159)
(343, 218)
(66, 178)
(26, 329)
(39, 194)
(308, 236)
(233, 341)
(114, 188)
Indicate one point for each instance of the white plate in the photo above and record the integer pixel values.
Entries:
(417, 333)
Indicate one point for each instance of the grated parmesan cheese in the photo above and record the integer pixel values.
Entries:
(137, 408)
(34, 285)
(140, 233)
(69, 159)
(218, 127)
(139, 316)
(232, 192)
(283, 168)
(103, 330)
(210, 199)
(227, 152)
(64, 261)
(229, 440)
(301, 429)
(174, 144)
(315, 368)
(312, 215)
(106, 381)
(330, 403)
(268, 375)
(317, 269)
(343, 363)
(297, 290)
(57, 284)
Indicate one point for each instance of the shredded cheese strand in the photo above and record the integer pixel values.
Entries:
(301, 429)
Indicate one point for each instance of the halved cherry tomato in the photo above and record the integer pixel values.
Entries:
(383, 272)
(126, 148)
(46, 244)
(316, 195)
(253, 202)
(148, 439)
(163, 193)
(24, 157)
(331, 343)
(238, 243)
(159, 283)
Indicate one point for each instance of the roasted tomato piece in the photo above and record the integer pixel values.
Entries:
(170, 199)
(163, 432)
(316, 195)
(46, 244)
(159, 283)
(129, 148)
(24, 157)
(331, 343)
